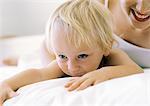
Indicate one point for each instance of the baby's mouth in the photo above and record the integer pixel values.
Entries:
(76, 74)
(139, 16)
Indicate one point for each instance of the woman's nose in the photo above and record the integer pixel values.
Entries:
(143, 6)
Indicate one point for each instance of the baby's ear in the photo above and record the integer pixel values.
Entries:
(106, 53)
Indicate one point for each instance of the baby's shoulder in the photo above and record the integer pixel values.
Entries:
(116, 51)
(116, 55)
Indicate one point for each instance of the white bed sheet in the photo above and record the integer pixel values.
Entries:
(132, 90)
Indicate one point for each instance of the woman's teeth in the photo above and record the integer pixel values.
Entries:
(140, 17)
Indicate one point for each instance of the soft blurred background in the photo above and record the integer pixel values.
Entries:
(25, 17)
(22, 25)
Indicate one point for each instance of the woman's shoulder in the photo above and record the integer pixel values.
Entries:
(140, 55)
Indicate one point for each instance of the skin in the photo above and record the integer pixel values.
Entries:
(74, 61)
(82, 63)
(10, 61)
(132, 20)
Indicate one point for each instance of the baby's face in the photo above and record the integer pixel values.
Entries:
(138, 12)
(74, 61)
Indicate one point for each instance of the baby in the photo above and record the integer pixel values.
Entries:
(80, 36)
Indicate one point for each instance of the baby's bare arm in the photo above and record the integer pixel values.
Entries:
(26, 77)
(119, 65)
(34, 75)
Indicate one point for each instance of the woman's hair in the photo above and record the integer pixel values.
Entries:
(88, 21)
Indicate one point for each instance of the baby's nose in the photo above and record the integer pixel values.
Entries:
(73, 65)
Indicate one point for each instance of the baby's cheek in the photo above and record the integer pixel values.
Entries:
(62, 66)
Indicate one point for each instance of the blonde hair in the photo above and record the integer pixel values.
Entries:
(89, 22)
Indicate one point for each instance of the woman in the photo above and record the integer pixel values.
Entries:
(132, 24)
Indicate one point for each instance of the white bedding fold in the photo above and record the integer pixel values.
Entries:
(132, 90)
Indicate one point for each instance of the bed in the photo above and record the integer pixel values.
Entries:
(131, 90)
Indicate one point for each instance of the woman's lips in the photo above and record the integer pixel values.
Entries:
(139, 16)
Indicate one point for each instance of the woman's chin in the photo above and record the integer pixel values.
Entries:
(139, 25)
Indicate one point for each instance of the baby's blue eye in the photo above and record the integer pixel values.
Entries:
(62, 56)
(83, 56)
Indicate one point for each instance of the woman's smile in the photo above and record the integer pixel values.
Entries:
(140, 16)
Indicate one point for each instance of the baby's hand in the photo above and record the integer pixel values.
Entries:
(89, 79)
(6, 92)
